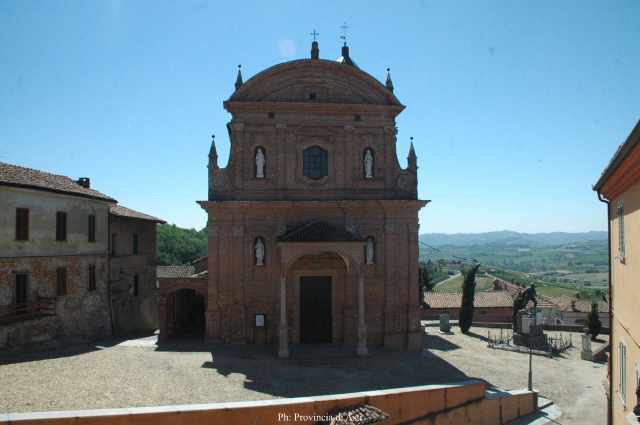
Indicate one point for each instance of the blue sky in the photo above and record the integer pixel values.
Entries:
(515, 107)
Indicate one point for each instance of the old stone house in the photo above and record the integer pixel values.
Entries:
(132, 257)
(54, 259)
(313, 224)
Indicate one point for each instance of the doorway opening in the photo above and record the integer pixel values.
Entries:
(185, 314)
(315, 310)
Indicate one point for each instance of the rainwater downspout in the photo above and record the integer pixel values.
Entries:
(610, 406)
(113, 325)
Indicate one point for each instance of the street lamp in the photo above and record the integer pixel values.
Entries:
(531, 320)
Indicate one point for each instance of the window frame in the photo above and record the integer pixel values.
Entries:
(623, 373)
(22, 224)
(315, 159)
(114, 241)
(136, 285)
(61, 281)
(482, 312)
(91, 231)
(61, 226)
(92, 277)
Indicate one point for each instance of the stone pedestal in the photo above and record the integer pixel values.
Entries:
(444, 323)
(529, 335)
(586, 353)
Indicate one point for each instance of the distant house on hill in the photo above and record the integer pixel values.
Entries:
(574, 311)
(490, 307)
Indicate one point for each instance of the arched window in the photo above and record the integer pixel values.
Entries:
(259, 252)
(314, 162)
(260, 162)
(370, 250)
(368, 163)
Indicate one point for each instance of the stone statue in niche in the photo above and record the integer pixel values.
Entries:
(369, 251)
(259, 253)
(368, 164)
(260, 164)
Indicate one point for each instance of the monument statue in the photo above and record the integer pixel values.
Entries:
(529, 294)
(260, 164)
(368, 164)
(259, 253)
(370, 251)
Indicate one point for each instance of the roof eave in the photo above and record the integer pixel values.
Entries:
(619, 156)
(63, 192)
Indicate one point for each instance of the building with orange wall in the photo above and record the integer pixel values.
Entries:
(619, 187)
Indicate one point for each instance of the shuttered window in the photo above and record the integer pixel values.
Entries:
(61, 226)
(92, 277)
(92, 228)
(136, 285)
(22, 224)
(621, 242)
(135, 243)
(61, 281)
(314, 163)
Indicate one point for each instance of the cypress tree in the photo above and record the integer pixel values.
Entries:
(592, 322)
(465, 314)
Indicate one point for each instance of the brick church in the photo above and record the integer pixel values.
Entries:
(313, 224)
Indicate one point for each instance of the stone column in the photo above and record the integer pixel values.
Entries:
(162, 317)
(283, 352)
(362, 327)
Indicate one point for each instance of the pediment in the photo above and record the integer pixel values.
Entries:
(314, 81)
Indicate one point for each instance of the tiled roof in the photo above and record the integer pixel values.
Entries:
(120, 211)
(175, 271)
(318, 231)
(483, 299)
(581, 306)
(514, 290)
(356, 415)
(14, 175)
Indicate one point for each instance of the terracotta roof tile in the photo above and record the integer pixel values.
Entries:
(483, 299)
(356, 415)
(120, 211)
(14, 175)
(318, 231)
(564, 303)
(175, 271)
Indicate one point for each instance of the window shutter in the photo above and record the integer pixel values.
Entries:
(92, 228)
(61, 281)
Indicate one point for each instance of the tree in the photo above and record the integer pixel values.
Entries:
(426, 276)
(465, 314)
(592, 321)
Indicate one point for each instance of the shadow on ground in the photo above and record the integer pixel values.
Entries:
(320, 369)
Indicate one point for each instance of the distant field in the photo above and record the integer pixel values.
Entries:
(455, 284)
(591, 277)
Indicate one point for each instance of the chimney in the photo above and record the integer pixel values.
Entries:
(84, 182)
(573, 304)
(577, 295)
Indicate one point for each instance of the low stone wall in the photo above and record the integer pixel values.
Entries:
(455, 404)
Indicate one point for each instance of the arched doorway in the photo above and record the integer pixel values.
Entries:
(185, 314)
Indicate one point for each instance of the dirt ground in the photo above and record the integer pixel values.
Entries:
(117, 373)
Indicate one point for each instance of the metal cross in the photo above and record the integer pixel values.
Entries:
(344, 28)
(314, 33)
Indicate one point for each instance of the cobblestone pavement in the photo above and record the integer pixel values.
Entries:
(117, 373)
(575, 385)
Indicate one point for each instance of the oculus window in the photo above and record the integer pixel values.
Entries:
(315, 162)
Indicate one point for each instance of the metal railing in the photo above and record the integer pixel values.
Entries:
(41, 306)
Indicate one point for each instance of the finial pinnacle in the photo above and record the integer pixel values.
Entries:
(388, 69)
(344, 28)
(239, 66)
(314, 34)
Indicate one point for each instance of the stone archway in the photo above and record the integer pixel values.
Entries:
(182, 304)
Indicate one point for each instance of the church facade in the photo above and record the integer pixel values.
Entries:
(313, 224)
